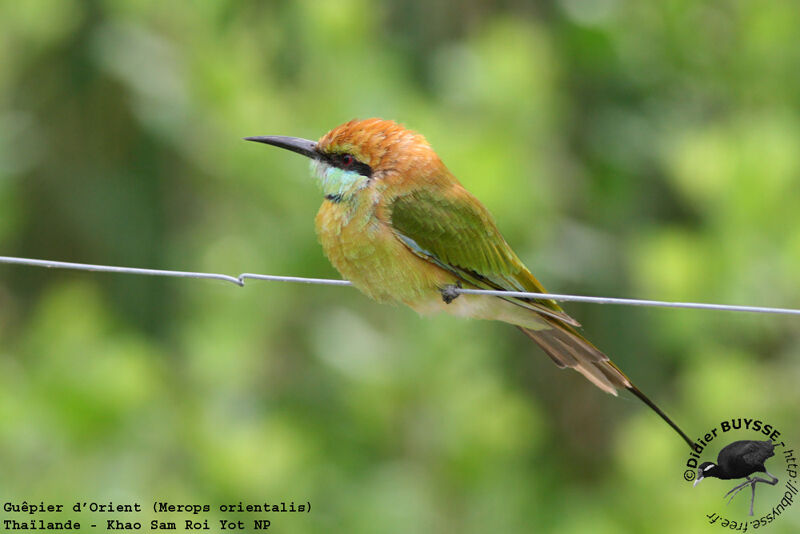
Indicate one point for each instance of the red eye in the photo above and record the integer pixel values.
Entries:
(348, 160)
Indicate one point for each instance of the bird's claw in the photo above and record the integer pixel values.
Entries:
(738, 488)
(750, 482)
(450, 292)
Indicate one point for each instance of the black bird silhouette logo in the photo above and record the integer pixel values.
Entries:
(740, 459)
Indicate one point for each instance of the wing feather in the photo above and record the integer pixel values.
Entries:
(452, 229)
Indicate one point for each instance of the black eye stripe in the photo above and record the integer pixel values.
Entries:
(340, 161)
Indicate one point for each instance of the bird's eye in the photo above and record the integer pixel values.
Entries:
(347, 161)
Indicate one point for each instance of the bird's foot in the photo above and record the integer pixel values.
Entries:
(752, 483)
(738, 488)
(450, 292)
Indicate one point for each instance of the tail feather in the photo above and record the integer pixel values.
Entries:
(642, 397)
(567, 348)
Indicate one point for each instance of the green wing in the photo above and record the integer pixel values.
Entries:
(454, 231)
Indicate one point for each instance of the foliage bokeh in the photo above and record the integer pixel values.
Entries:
(626, 148)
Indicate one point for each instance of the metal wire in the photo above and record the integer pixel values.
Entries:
(240, 280)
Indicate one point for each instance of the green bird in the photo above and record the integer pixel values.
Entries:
(397, 224)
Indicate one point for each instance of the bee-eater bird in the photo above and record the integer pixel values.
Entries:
(397, 224)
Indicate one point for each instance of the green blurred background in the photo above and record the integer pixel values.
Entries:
(643, 149)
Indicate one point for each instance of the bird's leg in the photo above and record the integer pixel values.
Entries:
(765, 481)
(738, 488)
(756, 480)
(770, 475)
(450, 292)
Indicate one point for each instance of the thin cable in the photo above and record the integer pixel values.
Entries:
(120, 270)
(295, 279)
(634, 302)
(239, 281)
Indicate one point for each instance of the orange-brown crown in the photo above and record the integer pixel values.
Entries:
(379, 143)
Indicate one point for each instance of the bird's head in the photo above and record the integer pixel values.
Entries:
(706, 469)
(350, 157)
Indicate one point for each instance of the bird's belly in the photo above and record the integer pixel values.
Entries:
(366, 252)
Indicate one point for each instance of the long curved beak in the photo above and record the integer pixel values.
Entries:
(295, 144)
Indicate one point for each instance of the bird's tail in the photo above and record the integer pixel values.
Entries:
(567, 348)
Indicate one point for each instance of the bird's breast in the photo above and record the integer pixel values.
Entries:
(365, 251)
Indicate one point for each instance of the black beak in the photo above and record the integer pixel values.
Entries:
(295, 144)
